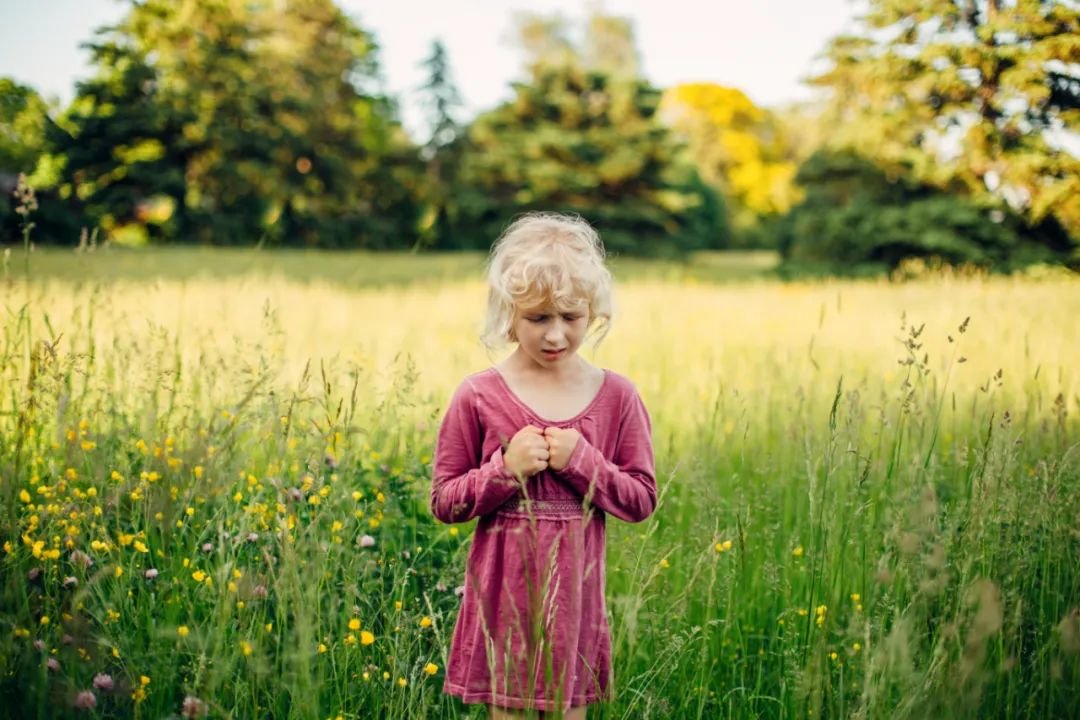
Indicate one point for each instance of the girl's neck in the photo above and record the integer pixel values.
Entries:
(569, 370)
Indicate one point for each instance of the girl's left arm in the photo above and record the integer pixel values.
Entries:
(624, 486)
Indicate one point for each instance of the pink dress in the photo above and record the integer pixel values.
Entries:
(532, 631)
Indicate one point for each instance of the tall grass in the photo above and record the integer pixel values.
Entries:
(869, 503)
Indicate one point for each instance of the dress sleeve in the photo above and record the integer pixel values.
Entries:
(624, 486)
(462, 487)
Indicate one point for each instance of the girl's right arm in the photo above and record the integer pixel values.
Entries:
(461, 486)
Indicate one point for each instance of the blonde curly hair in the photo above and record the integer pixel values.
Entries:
(547, 258)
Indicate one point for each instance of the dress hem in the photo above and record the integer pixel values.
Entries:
(515, 703)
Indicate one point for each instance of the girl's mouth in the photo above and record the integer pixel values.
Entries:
(552, 353)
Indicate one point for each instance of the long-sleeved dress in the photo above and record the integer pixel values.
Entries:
(532, 630)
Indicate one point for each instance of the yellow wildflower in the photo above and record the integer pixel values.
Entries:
(366, 638)
(425, 622)
(183, 631)
(431, 668)
(354, 624)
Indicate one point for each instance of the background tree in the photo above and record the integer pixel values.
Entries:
(974, 96)
(442, 153)
(259, 120)
(577, 139)
(121, 148)
(24, 119)
(856, 218)
(24, 148)
(737, 148)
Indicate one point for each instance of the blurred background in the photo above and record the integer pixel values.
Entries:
(848, 138)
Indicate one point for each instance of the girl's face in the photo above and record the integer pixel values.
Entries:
(548, 336)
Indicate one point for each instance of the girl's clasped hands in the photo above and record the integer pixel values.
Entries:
(533, 450)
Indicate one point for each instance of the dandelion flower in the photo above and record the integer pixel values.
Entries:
(183, 631)
(354, 624)
(430, 668)
(245, 648)
(366, 638)
(402, 682)
(798, 551)
(425, 622)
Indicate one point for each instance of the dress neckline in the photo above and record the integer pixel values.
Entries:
(537, 416)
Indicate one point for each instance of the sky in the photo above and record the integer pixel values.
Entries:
(763, 47)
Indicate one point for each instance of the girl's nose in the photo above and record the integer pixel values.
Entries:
(555, 333)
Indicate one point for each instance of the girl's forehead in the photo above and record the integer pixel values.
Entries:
(552, 305)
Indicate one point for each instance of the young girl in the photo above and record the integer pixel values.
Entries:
(541, 448)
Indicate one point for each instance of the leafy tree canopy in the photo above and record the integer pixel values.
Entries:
(979, 97)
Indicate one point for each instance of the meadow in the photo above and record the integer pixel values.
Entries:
(214, 475)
